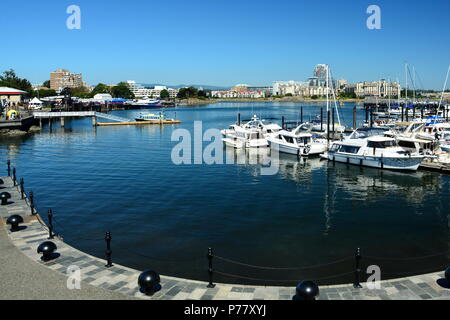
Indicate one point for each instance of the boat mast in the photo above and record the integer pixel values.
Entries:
(335, 103)
(442, 95)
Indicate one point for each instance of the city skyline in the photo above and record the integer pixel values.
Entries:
(222, 45)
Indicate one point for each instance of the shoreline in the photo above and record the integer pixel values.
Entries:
(199, 102)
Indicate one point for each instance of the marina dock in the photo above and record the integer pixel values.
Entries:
(137, 123)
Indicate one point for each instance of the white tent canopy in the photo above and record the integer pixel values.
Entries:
(36, 101)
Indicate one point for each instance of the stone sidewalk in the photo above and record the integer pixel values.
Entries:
(121, 282)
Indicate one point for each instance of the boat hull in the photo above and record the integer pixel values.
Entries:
(390, 163)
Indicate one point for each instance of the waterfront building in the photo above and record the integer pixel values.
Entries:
(62, 78)
(140, 91)
(11, 95)
(234, 94)
(381, 88)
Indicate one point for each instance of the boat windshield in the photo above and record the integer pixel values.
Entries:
(382, 144)
(367, 132)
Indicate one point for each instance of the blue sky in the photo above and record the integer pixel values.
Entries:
(225, 42)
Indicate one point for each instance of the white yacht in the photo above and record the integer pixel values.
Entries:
(371, 148)
(297, 142)
(251, 134)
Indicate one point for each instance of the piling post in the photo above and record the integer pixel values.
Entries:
(62, 121)
(239, 119)
(354, 117)
(406, 115)
(14, 177)
(210, 269)
(108, 250)
(9, 167)
(328, 126)
(321, 119)
(282, 122)
(403, 113)
(367, 114)
(371, 117)
(94, 121)
(31, 202)
(50, 224)
(421, 113)
(356, 284)
(301, 114)
(21, 188)
(332, 122)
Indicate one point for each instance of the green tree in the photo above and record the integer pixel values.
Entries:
(42, 93)
(121, 90)
(46, 84)
(10, 79)
(101, 88)
(186, 93)
(164, 94)
(81, 92)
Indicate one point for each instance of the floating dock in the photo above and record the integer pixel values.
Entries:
(137, 123)
(435, 166)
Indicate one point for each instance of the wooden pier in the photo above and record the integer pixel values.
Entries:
(137, 123)
(434, 166)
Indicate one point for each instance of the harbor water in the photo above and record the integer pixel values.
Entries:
(304, 222)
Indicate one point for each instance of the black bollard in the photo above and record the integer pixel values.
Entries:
(306, 290)
(108, 250)
(47, 249)
(210, 269)
(4, 196)
(14, 176)
(9, 167)
(32, 202)
(149, 282)
(358, 269)
(21, 188)
(50, 224)
(447, 275)
(14, 221)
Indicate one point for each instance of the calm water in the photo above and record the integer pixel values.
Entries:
(164, 217)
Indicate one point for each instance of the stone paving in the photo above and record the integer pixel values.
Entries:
(124, 280)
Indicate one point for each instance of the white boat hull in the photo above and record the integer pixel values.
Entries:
(311, 150)
(391, 163)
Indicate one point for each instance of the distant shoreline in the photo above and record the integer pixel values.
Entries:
(196, 102)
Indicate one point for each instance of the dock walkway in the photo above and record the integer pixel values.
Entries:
(24, 276)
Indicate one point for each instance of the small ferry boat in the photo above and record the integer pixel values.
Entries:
(152, 117)
(297, 142)
(371, 148)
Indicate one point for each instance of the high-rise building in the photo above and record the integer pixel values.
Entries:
(62, 78)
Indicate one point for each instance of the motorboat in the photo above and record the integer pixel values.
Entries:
(146, 103)
(370, 147)
(297, 142)
(251, 134)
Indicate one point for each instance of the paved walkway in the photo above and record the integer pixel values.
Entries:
(24, 276)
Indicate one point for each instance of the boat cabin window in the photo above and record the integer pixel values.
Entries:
(407, 144)
(381, 144)
(303, 140)
(349, 149)
(289, 139)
